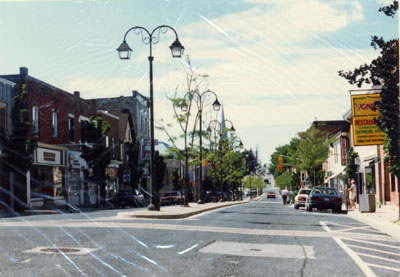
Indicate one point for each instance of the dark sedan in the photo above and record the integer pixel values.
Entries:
(324, 198)
(128, 198)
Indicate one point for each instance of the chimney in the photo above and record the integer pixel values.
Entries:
(23, 72)
(77, 93)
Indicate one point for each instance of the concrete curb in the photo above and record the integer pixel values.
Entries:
(383, 226)
(188, 214)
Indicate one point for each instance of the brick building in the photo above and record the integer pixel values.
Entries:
(54, 117)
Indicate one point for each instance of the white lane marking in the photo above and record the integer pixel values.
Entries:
(374, 243)
(369, 228)
(187, 250)
(363, 266)
(260, 250)
(367, 271)
(164, 246)
(347, 225)
(383, 267)
(194, 228)
(373, 249)
(379, 258)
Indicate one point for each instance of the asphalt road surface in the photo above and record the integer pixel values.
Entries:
(262, 238)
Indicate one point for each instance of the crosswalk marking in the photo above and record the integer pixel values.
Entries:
(373, 249)
(356, 256)
(379, 258)
(383, 267)
(192, 228)
(374, 243)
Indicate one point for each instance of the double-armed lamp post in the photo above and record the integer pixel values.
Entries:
(198, 97)
(213, 126)
(124, 51)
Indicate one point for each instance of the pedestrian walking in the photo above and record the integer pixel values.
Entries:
(284, 195)
(353, 194)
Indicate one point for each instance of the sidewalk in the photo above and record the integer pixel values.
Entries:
(176, 212)
(382, 219)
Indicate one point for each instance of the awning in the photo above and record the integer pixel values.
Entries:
(333, 176)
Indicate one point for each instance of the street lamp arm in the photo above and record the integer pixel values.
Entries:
(139, 30)
(153, 37)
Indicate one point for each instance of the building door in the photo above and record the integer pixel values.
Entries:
(73, 188)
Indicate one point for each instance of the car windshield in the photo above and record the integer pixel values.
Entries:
(331, 191)
(304, 191)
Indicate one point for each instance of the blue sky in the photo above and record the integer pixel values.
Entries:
(273, 63)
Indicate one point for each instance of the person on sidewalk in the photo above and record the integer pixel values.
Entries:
(353, 194)
(284, 195)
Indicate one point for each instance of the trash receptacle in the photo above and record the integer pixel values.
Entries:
(367, 203)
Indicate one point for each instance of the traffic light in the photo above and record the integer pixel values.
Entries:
(280, 162)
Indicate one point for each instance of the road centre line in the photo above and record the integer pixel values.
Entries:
(193, 228)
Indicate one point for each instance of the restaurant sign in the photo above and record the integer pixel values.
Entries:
(365, 130)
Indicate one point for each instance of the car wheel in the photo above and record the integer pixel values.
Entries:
(296, 207)
(337, 210)
(308, 208)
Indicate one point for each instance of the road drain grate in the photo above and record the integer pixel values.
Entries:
(61, 250)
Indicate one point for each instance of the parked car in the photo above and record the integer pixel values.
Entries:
(301, 198)
(324, 198)
(171, 198)
(128, 198)
(271, 194)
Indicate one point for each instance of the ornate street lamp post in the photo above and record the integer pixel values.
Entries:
(124, 52)
(213, 126)
(200, 104)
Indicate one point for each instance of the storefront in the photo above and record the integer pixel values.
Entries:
(48, 175)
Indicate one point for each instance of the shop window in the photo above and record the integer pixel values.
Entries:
(3, 116)
(35, 119)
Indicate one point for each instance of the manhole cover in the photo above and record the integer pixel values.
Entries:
(57, 250)
(61, 250)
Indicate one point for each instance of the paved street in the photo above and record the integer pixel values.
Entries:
(262, 238)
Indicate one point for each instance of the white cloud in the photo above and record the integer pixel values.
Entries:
(384, 2)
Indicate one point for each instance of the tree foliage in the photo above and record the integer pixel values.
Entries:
(312, 151)
(351, 166)
(383, 71)
(18, 148)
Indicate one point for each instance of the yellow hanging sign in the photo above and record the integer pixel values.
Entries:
(365, 130)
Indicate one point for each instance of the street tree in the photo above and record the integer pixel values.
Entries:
(311, 151)
(288, 154)
(351, 166)
(95, 153)
(383, 72)
(187, 123)
(18, 148)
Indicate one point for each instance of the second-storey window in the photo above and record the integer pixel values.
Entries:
(35, 119)
(55, 124)
(71, 129)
